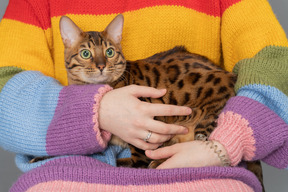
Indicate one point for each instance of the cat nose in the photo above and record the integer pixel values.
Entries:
(101, 66)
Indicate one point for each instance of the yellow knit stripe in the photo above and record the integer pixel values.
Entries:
(143, 36)
(247, 27)
(30, 52)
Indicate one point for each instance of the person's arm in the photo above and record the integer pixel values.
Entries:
(253, 124)
(41, 117)
(38, 115)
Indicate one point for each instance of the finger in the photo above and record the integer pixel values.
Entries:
(161, 153)
(164, 128)
(167, 110)
(141, 144)
(170, 163)
(155, 138)
(143, 91)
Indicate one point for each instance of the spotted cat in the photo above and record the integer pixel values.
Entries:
(190, 79)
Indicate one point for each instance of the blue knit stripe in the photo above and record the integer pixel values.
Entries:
(269, 96)
(109, 156)
(27, 104)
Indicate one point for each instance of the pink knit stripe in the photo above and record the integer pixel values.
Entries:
(223, 185)
(234, 133)
(102, 136)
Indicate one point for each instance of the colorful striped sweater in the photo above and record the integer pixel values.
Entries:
(40, 115)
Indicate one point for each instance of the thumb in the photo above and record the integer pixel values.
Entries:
(143, 91)
(161, 153)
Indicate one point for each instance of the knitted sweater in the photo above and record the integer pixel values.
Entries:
(42, 116)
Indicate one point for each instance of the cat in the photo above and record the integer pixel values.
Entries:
(190, 79)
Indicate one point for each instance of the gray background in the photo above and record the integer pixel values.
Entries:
(275, 180)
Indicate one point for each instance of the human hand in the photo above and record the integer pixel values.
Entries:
(188, 154)
(124, 115)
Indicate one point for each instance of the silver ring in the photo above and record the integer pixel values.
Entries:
(148, 136)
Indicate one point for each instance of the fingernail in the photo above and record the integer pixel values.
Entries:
(163, 90)
(148, 152)
(186, 130)
(189, 110)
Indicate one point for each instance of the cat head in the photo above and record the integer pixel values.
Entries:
(93, 57)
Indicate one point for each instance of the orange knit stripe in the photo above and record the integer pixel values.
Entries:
(246, 28)
(29, 47)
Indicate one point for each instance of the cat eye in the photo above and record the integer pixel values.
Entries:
(85, 54)
(110, 52)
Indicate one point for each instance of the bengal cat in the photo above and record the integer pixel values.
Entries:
(191, 80)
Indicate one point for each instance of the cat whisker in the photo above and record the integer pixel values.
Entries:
(130, 74)
(121, 78)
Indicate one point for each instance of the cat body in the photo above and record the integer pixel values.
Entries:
(190, 79)
(183, 74)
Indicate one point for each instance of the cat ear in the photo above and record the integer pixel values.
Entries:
(70, 32)
(115, 28)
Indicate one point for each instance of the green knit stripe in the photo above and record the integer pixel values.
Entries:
(268, 67)
(7, 73)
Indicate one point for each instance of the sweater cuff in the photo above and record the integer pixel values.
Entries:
(234, 133)
(74, 128)
(248, 129)
(102, 136)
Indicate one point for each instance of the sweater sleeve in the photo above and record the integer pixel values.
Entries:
(39, 116)
(253, 124)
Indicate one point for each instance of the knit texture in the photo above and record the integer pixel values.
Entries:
(199, 25)
(102, 136)
(7, 73)
(28, 102)
(239, 146)
(57, 120)
(262, 103)
(109, 156)
(225, 31)
(273, 64)
(242, 39)
(224, 185)
(249, 129)
(269, 96)
(73, 117)
(92, 175)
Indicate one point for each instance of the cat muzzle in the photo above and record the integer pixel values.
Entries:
(101, 67)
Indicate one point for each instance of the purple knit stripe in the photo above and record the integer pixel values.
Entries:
(71, 129)
(85, 169)
(278, 158)
(269, 130)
